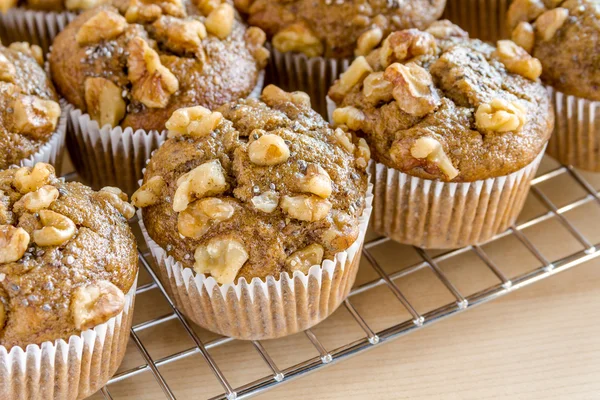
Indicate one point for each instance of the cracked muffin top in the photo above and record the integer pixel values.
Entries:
(565, 37)
(336, 28)
(438, 105)
(254, 189)
(29, 109)
(67, 256)
(135, 70)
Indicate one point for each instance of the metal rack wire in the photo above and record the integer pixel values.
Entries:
(372, 338)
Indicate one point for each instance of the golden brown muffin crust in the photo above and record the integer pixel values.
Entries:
(136, 74)
(438, 105)
(29, 109)
(256, 216)
(565, 37)
(42, 275)
(332, 28)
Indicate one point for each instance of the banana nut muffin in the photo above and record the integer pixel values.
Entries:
(67, 256)
(254, 189)
(565, 37)
(336, 28)
(29, 109)
(438, 105)
(135, 70)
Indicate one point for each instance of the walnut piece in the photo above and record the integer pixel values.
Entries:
(524, 36)
(349, 116)
(406, 44)
(413, 88)
(141, 12)
(273, 96)
(95, 304)
(201, 215)
(344, 139)
(118, 199)
(206, 6)
(38, 200)
(31, 50)
(255, 39)
(376, 89)
(298, 38)
(83, 4)
(220, 21)
(149, 193)
(367, 41)
(305, 207)
(193, 121)
(57, 229)
(222, 258)
(354, 75)
(181, 36)
(524, 11)
(301, 260)
(316, 181)
(104, 101)
(268, 149)
(207, 179)
(34, 116)
(500, 116)
(153, 83)
(13, 243)
(517, 60)
(31, 179)
(362, 154)
(106, 25)
(266, 202)
(549, 22)
(445, 29)
(8, 72)
(433, 151)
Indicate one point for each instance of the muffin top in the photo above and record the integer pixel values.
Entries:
(29, 109)
(565, 37)
(67, 256)
(438, 105)
(52, 5)
(336, 28)
(254, 189)
(134, 71)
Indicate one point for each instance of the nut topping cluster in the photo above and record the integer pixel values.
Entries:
(269, 188)
(529, 20)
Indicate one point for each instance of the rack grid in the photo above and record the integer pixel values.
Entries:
(506, 280)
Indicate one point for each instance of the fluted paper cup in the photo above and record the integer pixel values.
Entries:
(576, 138)
(483, 19)
(260, 309)
(36, 27)
(313, 75)
(67, 370)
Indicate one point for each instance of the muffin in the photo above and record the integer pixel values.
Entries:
(256, 214)
(124, 79)
(68, 267)
(482, 19)
(456, 127)
(313, 42)
(31, 127)
(565, 37)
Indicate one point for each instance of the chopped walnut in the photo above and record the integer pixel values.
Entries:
(38, 200)
(148, 194)
(118, 199)
(363, 154)
(95, 304)
(220, 21)
(524, 11)
(406, 44)
(376, 89)
(517, 60)
(200, 215)
(549, 22)
(344, 139)
(207, 179)
(141, 12)
(13, 243)
(273, 96)
(31, 179)
(106, 25)
(255, 38)
(8, 71)
(34, 116)
(349, 116)
(301, 260)
(153, 83)
(445, 30)
(268, 149)
(31, 50)
(83, 4)
(181, 36)
(222, 258)
(413, 88)
(305, 207)
(354, 75)
(432, 150)
(193, 121)
(266, 202)
(104, 101)
(524, 36)
(367, 41)
(298, 38)
(57, 229)
(500, 116)
(316, 181)
(206, 6)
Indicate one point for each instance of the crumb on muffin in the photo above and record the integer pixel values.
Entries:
(254, 188)
(336, 28)
(136, 67)
(29, 109)
(438, 105)
(67, 256)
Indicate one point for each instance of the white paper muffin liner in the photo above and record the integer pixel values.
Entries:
(313, 75)
(576, 138)
(113, 156)
(67, 370)
(52, 151)
(483, 19)
(36, 27)
(262, 309)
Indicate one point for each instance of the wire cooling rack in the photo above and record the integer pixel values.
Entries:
(164, 345)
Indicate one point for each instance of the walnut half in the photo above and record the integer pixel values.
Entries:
(432, 150)
(106, 25)
(34, 116)
(298, 38)
(96, 303)
(222, 258)
(413, 88)
(104, 101)
(500, 116)
(13, 243)
(517, 60)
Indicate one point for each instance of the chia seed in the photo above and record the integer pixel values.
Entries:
(168, 199)
(14, 287)
(46, 307)
(272, 186)
(48, 286)
(169, 247)
(302, 164)
(355, 176)
(256, 190)
(63, 192)
(186, 257)
(255, 136)
(40, 253)
(33, 298)
(25, 302)
(213, 135)
(70, 260)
